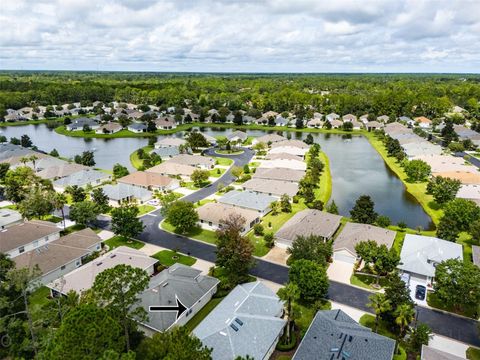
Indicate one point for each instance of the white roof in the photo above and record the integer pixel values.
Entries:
(284, 163)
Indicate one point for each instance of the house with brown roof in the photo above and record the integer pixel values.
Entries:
(423, 122)
(165, 123)
(354, 233)
(59, 171)
(271, 187)
(289, 175)
(198, 161)
(268, 139)
(150, 181)
(349, 118)
(306, 223)
(373, 125)
(383, 118)
(169, 168)
(109, 128)
(211, 216)
(315, 123)
(170, 142)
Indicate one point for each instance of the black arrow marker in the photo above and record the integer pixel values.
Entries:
(179, 308)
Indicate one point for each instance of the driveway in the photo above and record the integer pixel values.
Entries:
(412, 285)
(340, 271)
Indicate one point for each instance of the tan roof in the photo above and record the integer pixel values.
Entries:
(25, 233)
(447, 163)
(285, 156)
(171, 168)
(353, 233)
(279, 174)
(193, 160)
(293, 143)
(59, 252)
(110, 126)
(464, 177)
(270, 138)
(170, 141)
(215, 212)
(297, 164)
(164, 121)
(272, 187)
(146, 179)
(423, 119)
(59, 171)
(309, 222)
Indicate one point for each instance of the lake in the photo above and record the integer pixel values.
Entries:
(356, 167)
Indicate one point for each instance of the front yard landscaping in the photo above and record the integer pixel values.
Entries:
(117, 241)
(217, 172)
(223, 161)
(435, 302)
(145, 209)
(169, 257)
(196, 233)
(229, 152)
(366, 281)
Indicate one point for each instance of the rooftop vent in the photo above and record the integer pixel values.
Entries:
(223, 333)
(112, 256)
(238, 321)
(100, 263)
(234, 327)
(350, 338)
(166, 283)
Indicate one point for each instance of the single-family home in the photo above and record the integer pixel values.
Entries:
(470, 192)
(172, 169)
(423, 122)
(248, 321)
(430, 353)
(396, 127)
(315, 123)
(170, 142)
(123, 193)
(82, 178)
(82, 278)
(61, 170)
(178, 285)
(198, 161)
(210, 139)
(335, 335)
(211, 216)
(296, 164)
(281, 121)
(248, 200)
(364, 118)
(25, 236)
(349, 118)
(150, 181)
(58, 257)
(354, 233)
(373, 125)
(137, 128)
(79, 124)
(109, 128)
(332, 116)
(289, 175)
(165, 123)
(237, 136)
(9, 217)
(248, 119)
(295, 147)
(407, 120)
(166, 152)
(356, 125)
(269, 114)
(275, 188)
(383, 118)
(306, 223)
(268, 139)
(283, 156)
(415, 149)
(336, 124)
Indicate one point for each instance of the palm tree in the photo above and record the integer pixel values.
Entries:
(59, 202)
(403, 317)
(24, 160)
(289, 293)
(33, 159)
(380, 304)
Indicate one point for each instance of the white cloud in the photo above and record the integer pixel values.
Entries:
(235, 35)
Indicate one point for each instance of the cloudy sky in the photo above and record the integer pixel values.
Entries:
(241, 35)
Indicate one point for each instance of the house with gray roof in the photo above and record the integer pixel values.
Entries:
(179, 284)
(199, 161)
(248, 200)
(271, 187)
(415, 149)
(289, 175)
(166, 152)
(281, 121)
(247, 322)
(137, 128)
(82, 178)
(335, 335)
(170, 142)
(123, 193)
(268, 139)
(332, 116)
(239, 136)
(306, 223)
(79, 123)
(9, 217)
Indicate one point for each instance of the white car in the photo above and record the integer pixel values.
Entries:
(153, 202)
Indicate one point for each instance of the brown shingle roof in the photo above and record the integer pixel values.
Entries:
(354, 233)
(22, 234)
(215, 212)
(146, 179)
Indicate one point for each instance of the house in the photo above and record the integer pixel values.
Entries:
(421, 254)
(364, 119)
(109, 128)
(279, 174)
(248, 119)
(25, 236)
(332, 116)
(470, 192)
(295, 147)
(210, 139)
(306, 223)
(336, 124)
(9, 218)
(137, 128)
(335, 335)
(211, 216)
(430, 353)
(82, 278)
(458, 110)
(42, 162)
(296, 164)
(247, 322)
(396, 127)
(275, 188)
(283, 156)
(406, 120)
(58, 257)
(123, 193)
(168, 142)
(237, 136)
(423, 122)
(354, 233)
(281, 121)
(268, 139)
(165, 123)
(201, 162)
(172, 169)
(269, 114)
(178, 284)
(357, 125)
(150, 181)
(373, 125)
(248, 200)
(415, 149)
(315, 123)
(166, 152)
(59, 171)
(476, 255)
(465, 177)
(79, 124)
(349, 118)
(383, 118)
(82, 178)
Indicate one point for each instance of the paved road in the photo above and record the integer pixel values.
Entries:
(445, 324)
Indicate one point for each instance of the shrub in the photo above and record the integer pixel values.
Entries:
(269, 240)
(258, 229)
(295, 199)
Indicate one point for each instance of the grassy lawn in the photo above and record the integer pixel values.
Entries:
(473, 353)
(169, 257)
(258, 243)
(324, 192)
(217, 172)
(202, 202)
(433, 301)
(197, 233)
(365, 281)
(467, 241)
(136, 162)
(191, 186)
(278, 220)
(39, 298)
(117, 241)
(229, 152)
(223, 161)
(144, 209)
(416, 189)
(306, 313)
(202, 314)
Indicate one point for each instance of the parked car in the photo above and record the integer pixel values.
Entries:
(420, 292)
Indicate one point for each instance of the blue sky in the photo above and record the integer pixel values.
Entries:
(241, 36)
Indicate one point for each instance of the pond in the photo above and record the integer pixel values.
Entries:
(356, 167)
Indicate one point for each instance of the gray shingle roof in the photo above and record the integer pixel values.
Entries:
(8, 217)
(25, 233)
(166, 152)
(353, 233)
(248, 200)
(333, 334)
(245, 323)
(238, 134)
(279, 174)
(123, 191)
(82, 178)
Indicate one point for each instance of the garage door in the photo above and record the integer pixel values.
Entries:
(344, 258)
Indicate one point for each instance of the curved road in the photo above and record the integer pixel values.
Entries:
(455, 327)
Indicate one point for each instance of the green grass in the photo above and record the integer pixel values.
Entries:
(117, 241)
(169, 257)
(202, 202)
(144, 209)
(135, 161)
(202, 314)
(324, 191)
(260, 248)
(283, 357)
(52, 218)
(223, 161)
(39, 298)
(217, 172)
(366, 281)
(473, 353)
(191, 186)
(306, 313)
(229, 152)
(466, 241)
(435, 302)
(196, 233)
(400, 235)
(278, 220)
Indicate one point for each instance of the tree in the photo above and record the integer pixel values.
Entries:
(379, 304)
(347, 126)
(199, 177)
(101, 199)
(14, 141)
(84, 212)
(474, 230)
(87, 158)
(182, 215)
(37, 203)
(119, 171)
(285, 204)
(364, 210)
(417, 170)
(196, 140)
(77, 193)
(448, 133)
(443, 189)
(151, 127)
(311, 278)
(54, 153)
(457, 216)
(25, 141)
(19, 182)
(85, 333)
(117, 289)
(59, 202)
(317, 205)
(275, 207)
(404, 315)
(332, 208)
(166, 200)
(176, 344)
(383, 221)
(236, 171)
(4, 167)
(289, 294)
(309, 139)
(125, 221)
(419, 335)
(397, 292)
(457, 283)
(312, 248)
(379, 257)
(234, 251)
